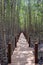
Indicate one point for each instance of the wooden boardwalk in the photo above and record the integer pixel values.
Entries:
(22, 55)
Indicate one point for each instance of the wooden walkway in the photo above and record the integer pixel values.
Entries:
(22, 55)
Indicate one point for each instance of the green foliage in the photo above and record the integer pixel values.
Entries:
(22, 11)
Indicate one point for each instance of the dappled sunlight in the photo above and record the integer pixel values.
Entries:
(31, 58)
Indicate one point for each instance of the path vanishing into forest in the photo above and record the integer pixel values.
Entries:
(23, 54)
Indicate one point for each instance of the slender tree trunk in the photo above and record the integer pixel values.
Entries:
(3, 36)
(29, 8)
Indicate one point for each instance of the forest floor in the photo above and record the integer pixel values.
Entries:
(23, 54)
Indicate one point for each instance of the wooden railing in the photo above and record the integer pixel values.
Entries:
(10, 49)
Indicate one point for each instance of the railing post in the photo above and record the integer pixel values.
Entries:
(15, 42)
(36, 52)
(29, 41)
(9, 52)
(17, 37)
(39, 41)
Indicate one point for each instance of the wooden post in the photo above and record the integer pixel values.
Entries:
(39, 41)
(36, 53)
(15, 42)
(17, 37)
(29, 41)
(9, 52)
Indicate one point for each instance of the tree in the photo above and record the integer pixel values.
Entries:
(29, 9)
